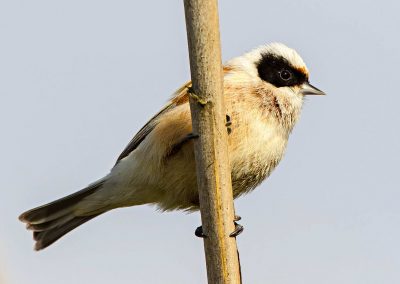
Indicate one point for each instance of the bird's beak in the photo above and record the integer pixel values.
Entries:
(307, 89)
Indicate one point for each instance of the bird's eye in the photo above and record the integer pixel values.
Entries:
(285, 75)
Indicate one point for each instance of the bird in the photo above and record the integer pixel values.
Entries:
(264, 90)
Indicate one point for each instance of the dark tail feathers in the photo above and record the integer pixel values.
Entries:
(53, 220)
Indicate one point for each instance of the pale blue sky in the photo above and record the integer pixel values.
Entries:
(79, 78)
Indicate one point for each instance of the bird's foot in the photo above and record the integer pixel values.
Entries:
(237, 218)
(238, 229)
(228, 124)
(199, 232)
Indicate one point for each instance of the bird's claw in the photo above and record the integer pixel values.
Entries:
(228, 124)
(238, 229)
(199, 232)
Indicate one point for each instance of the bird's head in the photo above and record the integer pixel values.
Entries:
(279, 68)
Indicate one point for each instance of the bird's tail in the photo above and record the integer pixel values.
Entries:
(53, 220)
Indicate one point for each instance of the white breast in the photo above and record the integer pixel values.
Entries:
(257, 154)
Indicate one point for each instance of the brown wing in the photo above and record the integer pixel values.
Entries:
(178, 98)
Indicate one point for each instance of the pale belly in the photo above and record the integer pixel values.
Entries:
(252, 161)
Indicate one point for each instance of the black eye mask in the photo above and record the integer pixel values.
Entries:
(279, 72)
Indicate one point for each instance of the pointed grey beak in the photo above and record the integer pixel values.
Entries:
(307, 90)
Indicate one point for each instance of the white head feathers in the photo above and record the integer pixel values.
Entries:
(248, 61)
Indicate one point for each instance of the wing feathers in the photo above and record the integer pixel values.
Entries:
(178, 98)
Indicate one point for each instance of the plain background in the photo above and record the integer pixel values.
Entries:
(79, 78)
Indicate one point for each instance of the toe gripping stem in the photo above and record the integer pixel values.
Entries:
(238, 229)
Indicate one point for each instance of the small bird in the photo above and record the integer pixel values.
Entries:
(264, 91)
